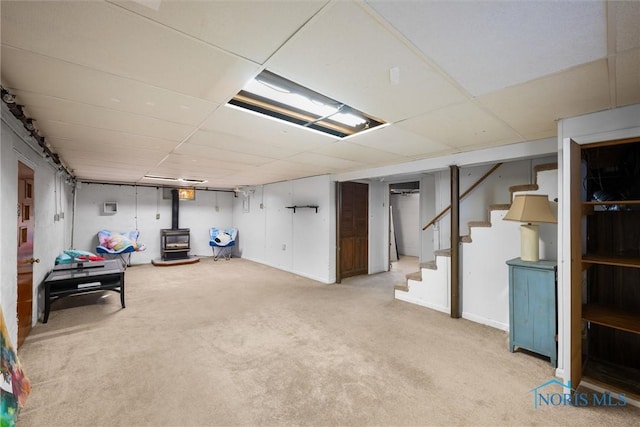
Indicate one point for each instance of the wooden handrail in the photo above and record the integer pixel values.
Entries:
(463, 195)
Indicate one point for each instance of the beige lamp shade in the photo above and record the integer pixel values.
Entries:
(531, 208)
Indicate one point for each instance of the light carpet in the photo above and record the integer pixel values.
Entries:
(239, 343)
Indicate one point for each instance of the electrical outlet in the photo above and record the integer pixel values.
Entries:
(61, 215)
(158, 216)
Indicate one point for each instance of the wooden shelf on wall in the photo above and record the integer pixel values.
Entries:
(303, 207)
(611, 317)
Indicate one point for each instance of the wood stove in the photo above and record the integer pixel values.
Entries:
(174, 243)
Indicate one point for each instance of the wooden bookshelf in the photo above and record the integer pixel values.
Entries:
(607, 332)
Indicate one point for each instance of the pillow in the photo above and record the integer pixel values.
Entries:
(118, 241)
(64, 258)
(223, 238)
(75, 253)
(70, 255)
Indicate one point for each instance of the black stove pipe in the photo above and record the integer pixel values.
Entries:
(175, 209)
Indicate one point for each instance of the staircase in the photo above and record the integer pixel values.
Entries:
(484, 275)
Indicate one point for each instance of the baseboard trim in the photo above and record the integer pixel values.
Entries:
(416, 301)
(485, 321)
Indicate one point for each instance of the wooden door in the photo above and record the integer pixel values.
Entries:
(353, 223)
(25, 250)
(575, 212)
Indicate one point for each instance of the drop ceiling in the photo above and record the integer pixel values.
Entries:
(124, 89)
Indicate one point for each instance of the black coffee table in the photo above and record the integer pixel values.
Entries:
(81, 277)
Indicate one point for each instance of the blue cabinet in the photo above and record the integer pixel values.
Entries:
(532, 307)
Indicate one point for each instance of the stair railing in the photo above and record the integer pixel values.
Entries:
(463, 195)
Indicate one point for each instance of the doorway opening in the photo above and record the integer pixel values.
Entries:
(404, 226)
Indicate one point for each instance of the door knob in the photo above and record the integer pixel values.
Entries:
(32, 260)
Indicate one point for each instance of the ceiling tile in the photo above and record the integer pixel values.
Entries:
(264, 25)
(260, 128)
(628, 77)
(490, 45)
(28, 75)
(105, 37)
(82, 149)
(291, 167)
(394, 139)
(219, 157)
(236, 144)
(106, 174)
(185, 166)
(326, 163)
(120, 89)
(348, 150)
(354, 66)
(533, 108)
(187, 171)
(58, 133)
(102, 118)
(258, 176)
(462, 125)
(627, 24)
(121, 168)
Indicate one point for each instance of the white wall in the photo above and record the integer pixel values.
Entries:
(302, 242)
(378, 227)
(427, 211)
(485, 279)
(406, 211)
(138, 207)
(51, 196)
(494, 190)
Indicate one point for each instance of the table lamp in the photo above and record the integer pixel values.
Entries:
(530, 209)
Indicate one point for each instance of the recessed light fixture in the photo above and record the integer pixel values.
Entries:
(283, 99)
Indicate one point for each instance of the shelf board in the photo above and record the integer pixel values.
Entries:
(613, 378)
(612, 202)
(619, 261)
(611, 317)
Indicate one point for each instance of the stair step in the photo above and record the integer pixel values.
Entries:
(524, 187)
(430, 265)
(403, 288)
(500, 207)
(479, 224)
(545, 167)
(466, 239)
(442, 252)
(414, 276)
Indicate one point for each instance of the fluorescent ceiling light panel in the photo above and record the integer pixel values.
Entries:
(169, 179)
(278, 97)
